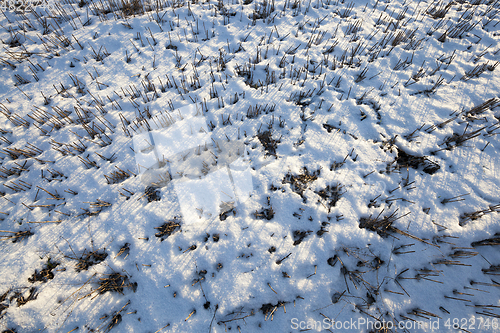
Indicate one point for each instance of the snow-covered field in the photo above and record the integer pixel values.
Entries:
(352, 148)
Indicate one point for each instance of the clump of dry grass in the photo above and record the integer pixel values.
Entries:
(331, 194)
(382, 225)
(467, 217)
(124, 250)
(300, 182)
(3, 305)
(405, 160)
(23, 298)
(18, 296)
(270, 144)
(299, 236)
(46, 273)
(132, 7)
(152, 194)
(226, 208)
(488, 241)
(16, 236)
(115, 282)
(116, 177)
(267, 213)
(89, 259)
(269, 309)
(168, 228)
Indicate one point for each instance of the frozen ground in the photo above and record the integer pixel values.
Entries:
(365, 195)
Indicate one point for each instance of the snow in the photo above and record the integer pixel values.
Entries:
(230, 165)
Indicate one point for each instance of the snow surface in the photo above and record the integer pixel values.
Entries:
(327, 100)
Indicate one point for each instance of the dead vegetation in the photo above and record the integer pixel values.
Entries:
(382, 225)
(457, 140)
(266, 212)
(168, 228)
(299, 236)
(405, 160)
(493, 241)
(114, 282)
(116, 177)
(267, 141)
(356, 52)
(124, 251)
(227, 209)
(331, 194)
(465, 218)
(112, 320)
(46, 273)
(478, 110)
(269, 309)
(299, 183)
(23, 298)
(132, 7)
(88, 259)
(9, 330)
(152, 194)
(16, 236)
